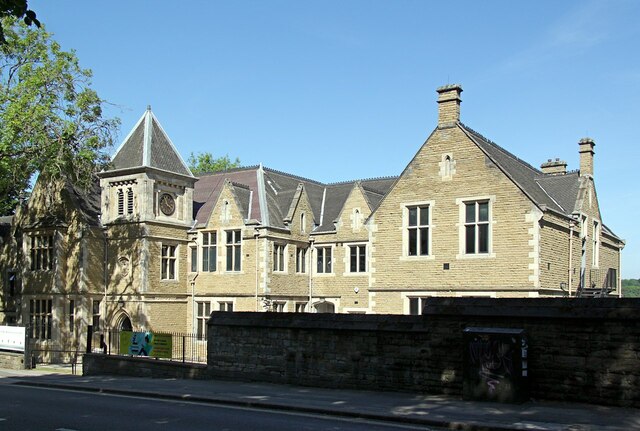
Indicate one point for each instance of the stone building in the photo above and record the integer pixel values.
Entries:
(154, 247)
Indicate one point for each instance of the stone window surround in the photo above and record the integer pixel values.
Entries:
(33, 249)
(301, 260)
(347, 259)
(235, 248)
(225, 304)
(123, 194)
(316, 250)
(208, 245)
(405, 229)
(279, 306)
(280, 261)
(202, 314)
(41, 316)
(461, 227)
(171, 260)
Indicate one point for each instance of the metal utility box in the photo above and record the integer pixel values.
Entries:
(495, 365)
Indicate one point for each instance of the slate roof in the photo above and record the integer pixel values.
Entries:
(86, 201)
(555, 192)
(208, 188)
(277, 191)
(147, 145)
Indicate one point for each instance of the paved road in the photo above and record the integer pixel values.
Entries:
(27, 408)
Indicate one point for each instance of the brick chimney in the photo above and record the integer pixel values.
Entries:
(449, 105)
(554, 167)
(586, 156)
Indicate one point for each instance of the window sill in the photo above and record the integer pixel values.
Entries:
(417, 258)
(475, 256)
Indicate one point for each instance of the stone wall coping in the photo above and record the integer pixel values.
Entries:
(536, 308)
(525, 308)
(320, 321)
(143, 360)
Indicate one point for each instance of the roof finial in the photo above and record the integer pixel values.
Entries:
(148, 107)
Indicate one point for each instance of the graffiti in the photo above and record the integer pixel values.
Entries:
(493, 358)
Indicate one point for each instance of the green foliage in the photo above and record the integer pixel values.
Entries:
(17, 9)
(51, 120)
(203, 163)
(631, 288)
(630, 282)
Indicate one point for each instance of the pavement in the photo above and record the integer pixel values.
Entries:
(409, 408)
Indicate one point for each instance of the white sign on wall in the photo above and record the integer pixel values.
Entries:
(12, 338)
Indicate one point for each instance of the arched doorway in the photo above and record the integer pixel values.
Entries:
(325, 307)
(125, 324)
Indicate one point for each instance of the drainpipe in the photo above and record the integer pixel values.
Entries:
(106, 276)
(619, 274)
(256, 233)
(193, 290)
(311, 248)
(571, 225)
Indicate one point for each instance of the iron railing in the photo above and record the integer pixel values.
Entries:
(184, 347)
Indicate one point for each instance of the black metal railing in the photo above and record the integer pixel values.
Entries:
(184, 347)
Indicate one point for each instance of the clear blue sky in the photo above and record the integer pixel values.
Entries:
(342, 90)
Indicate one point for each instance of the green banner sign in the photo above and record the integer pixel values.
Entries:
(146, 344)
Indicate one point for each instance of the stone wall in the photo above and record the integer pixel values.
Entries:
(584, 349)
(98, 364)
(13, 361)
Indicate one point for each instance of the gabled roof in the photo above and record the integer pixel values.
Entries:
(147, 145)
(208, 188)
(555, 192)
(267, 195)
(86, 201)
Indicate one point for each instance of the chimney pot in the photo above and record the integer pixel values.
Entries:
(449, 105)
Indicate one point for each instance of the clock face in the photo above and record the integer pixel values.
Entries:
(167, 204)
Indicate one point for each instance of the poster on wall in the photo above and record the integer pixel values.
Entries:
(145, 344)
(12, 338)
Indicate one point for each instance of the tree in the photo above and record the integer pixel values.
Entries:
(17, 9)
(51, 120)
(203, 163)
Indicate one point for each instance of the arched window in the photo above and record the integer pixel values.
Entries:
(130, 200)
(303, 226)
(357, 219)
(226, 211)
(120, 202)
(447, 166)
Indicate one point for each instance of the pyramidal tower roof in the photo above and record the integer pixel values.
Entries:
(148, 145)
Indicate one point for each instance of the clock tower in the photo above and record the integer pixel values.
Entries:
(147, 180)
(146, 213)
